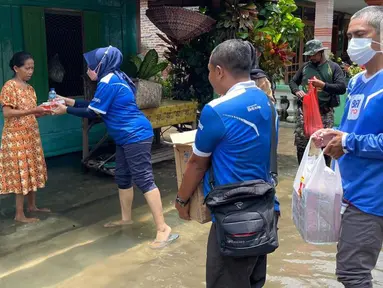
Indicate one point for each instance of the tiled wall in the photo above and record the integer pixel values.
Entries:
(149, 38)
(324, 16)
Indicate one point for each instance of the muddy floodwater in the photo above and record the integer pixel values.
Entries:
(70, 248)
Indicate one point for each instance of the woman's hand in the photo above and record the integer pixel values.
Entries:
(9, 112)
(40, 111)
(68, 101)
(59, 109)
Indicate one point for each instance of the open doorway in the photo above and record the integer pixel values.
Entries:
(65, 49)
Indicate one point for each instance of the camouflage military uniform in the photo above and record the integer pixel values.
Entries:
(331, 74)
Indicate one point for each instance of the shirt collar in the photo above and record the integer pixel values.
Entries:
(242, 85)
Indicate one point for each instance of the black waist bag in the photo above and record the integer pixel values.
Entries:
(245, 218)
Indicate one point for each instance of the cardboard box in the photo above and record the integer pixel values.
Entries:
(182, 152)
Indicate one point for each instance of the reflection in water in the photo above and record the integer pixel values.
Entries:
(95, 257)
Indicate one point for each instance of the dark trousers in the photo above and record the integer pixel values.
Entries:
(229, 272)
(359, 246)
(134, 164)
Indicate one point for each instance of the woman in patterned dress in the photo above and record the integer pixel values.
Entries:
(22, 163)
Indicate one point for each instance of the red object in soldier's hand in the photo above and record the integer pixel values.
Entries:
(312, 119)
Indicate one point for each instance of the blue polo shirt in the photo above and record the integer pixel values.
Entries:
(235, 131)
(362, 165)
(115, 102)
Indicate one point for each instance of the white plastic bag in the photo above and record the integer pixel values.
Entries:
(56, 70)
(317, 199)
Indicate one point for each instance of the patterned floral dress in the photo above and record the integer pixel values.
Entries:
(22, 162)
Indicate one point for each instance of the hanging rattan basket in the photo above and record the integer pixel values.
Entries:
(180, 24)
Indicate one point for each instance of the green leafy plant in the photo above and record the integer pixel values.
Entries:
(335, 59)
(353, 69)
(275, 30)
(189, 72)
(276, 34)
(235, 19)
(276, 54)
(167, 86)
(146, 67)
(349, 70)
(277, 20)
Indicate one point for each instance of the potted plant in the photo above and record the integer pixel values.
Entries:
(143, 71)
(350, 69)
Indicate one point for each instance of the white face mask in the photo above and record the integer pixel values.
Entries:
(360, 51)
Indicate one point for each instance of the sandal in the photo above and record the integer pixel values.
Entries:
(162, 244)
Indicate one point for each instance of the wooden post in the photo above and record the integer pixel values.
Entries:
(89, 90)
(138, 24)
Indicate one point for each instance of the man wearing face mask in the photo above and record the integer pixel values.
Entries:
(330, 82)
(358, 144)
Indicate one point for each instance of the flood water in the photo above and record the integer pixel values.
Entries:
(70, 248)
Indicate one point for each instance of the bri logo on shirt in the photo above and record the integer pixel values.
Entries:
(253, 108)
(355, 106)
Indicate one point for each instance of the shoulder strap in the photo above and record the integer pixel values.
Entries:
(321, 75)
(304, 66)
(330, 64)
(274, 144)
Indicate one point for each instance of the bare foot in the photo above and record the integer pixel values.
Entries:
(119, 223)
(42, 210)
(164, 238)
(23, 219)
(164, 235)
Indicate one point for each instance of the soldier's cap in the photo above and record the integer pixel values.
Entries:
(312, 47)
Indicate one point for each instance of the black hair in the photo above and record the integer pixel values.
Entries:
(234, 55)
(253, 53)
(19, 59)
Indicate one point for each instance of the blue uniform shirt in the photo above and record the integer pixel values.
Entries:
(115, 101)
(235, 131)
(362, 165)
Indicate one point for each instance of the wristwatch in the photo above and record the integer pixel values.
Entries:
(182, 202)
